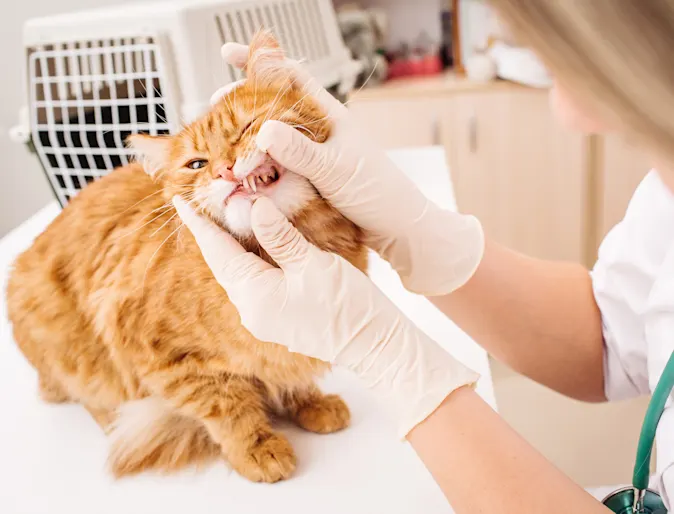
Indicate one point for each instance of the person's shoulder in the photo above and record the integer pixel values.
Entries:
(652, 199)
(647, 229)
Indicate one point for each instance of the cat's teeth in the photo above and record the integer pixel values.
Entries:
(264, 178)
(253, 184)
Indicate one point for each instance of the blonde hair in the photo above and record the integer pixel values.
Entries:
(615, 57)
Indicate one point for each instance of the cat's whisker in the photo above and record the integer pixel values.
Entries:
(302, 127)
(236, 103)
(164, 224)
(143, 199)
(169, 205)
(326, 117)
(163, 207)
(361, 87)
(255, 99)
(317, 120)
(278, 96)
(166, 209)
(149, 262)
(161, 174)
(290, 109)
(225, 99)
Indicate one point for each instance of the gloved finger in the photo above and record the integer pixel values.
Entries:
(220, 93)
(228, 260)
(235, 54)
(282, 241)
(292, 149)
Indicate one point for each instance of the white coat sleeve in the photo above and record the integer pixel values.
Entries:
(622, 279)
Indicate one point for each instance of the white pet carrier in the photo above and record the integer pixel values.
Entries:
(95, 77)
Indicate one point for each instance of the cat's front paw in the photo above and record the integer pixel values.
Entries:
(324, 415)
(270, 459)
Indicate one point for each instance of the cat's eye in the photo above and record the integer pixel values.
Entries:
(196, 164)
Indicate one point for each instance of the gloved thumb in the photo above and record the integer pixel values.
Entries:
(292, 149)
(280, 239)
(228, 260)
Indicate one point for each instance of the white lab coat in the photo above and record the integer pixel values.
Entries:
(633, 283)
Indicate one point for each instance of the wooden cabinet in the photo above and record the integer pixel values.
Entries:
(521, 174)
(396, 123)
(535, 186)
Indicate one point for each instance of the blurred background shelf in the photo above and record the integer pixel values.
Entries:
(536, 187)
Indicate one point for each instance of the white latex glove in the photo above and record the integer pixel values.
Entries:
(319, 305)
(433, 250)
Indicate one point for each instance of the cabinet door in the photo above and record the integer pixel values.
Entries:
(398, 123)
(622, 168)
(519, 172)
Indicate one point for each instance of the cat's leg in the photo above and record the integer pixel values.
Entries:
(103, 417)
(233, 410)
(51, 391)
(316, 412)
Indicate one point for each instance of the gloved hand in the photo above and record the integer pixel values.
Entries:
(319, 305)
(433, 250)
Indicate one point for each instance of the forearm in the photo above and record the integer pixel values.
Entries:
(538, 317)
(482, 465)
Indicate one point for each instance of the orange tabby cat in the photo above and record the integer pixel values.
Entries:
(115, 307)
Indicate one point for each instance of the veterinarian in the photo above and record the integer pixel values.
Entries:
(596, 336)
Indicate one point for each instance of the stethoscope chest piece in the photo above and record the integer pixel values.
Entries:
(622, 502)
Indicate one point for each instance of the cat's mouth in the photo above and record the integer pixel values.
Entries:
(262, 177)
(260, 180)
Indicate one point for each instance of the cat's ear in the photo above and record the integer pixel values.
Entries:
(266, 59)
(151, 151)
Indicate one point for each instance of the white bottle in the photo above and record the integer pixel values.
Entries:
(480, 67)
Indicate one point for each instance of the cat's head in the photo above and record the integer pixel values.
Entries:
(214, 162)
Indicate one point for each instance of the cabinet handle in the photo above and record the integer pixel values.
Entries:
(435, 131)
(472, 133)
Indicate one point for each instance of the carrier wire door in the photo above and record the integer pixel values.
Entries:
(86, 98)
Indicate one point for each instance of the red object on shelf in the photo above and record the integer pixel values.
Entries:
(432, 64)
(415, 67)
(394, 69)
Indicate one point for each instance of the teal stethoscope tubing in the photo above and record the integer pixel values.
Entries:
(638, 498)
(653, 414)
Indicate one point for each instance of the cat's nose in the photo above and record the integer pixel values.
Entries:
(224, 170)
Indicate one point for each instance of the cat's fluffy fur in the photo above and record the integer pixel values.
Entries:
(119, 312)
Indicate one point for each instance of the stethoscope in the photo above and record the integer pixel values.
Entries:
(639, 499)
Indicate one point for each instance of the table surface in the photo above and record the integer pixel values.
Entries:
(52, 457)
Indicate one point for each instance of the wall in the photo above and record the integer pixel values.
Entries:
(407, 18)
(24, 189)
